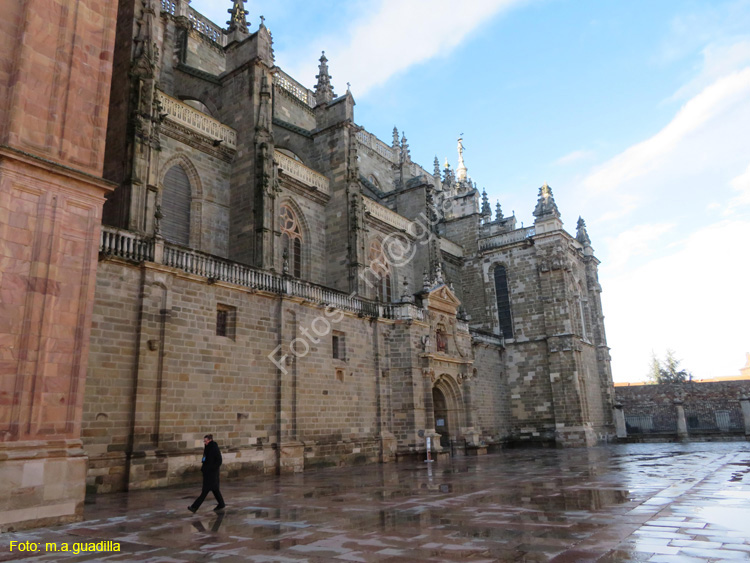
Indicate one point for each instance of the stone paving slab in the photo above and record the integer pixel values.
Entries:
(626, 503)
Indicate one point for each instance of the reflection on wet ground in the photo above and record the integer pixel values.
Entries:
(637, 502)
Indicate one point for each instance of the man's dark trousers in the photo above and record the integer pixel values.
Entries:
(210, 470)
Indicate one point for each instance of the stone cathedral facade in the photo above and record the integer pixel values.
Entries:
(272, 273)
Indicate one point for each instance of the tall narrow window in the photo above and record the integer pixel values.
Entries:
(175, 206)
(338, 345)
(291, 239)
(381, 269)
(226, 321)
(503, 301)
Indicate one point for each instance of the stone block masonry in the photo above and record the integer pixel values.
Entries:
(55, 67)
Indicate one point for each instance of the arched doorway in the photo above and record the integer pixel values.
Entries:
(442, 426)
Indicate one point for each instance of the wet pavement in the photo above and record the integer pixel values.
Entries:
(639, 502)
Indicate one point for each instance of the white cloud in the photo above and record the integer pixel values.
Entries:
(741, 185)
(693, 301)
(575, 156)
(718, 60)
(672, 281)
(638, 241)
(714, 101)
(397, 35)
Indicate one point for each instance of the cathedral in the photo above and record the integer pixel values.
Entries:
(207, 245)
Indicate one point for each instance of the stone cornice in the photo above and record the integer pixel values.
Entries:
(292, 128)
(197, 73)
(56, 168)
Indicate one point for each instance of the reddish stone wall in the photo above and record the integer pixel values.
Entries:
(55, 67)
(57, 58)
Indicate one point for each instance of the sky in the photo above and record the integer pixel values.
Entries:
(635, 112)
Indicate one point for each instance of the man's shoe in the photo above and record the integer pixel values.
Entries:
(219, 507)
(191, 509)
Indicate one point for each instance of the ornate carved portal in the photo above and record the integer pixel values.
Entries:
(449, 409)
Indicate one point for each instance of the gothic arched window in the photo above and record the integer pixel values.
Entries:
(381, 268)
(175, 206)
(503, 301)
(291, 239)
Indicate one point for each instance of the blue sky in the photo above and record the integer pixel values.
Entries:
(637, 113)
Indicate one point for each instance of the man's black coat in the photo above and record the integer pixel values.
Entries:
(211, 464)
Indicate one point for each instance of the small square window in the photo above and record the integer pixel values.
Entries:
(225, 321)
(338, 345)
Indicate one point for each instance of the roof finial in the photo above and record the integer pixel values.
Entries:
(238, 17)
(486, 209)
(498, 211)
(581, 235)
(436, 171)
(405, 155)
(395, 144)
(323, 89)
(546, 206)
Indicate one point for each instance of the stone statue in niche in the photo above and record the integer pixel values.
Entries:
(440, 340)
(425, 343)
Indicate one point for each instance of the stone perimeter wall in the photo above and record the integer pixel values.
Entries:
(160, 378)
(699, 400)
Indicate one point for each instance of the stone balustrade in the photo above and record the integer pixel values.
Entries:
(124, 244)
(402, 312)
(451, 247)
(286, 82)
(381, 212)
(205, 27)
(169, 6)
(131, 246)
(197, 121)
(371, 141)
(504, 239)
(298, 171)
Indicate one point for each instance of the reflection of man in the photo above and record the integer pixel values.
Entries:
(198, 525)
(210, 470)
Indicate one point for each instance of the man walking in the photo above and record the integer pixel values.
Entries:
(210, 470)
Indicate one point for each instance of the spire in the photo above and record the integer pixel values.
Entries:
(405, 155)
(486, 209)
(145, 54)
(448, 176)
(546, 206)
(581, 235)
(436, 171)
(461, 169)
(395, 143)
(498, 211)
(323, 89)
(238, 17)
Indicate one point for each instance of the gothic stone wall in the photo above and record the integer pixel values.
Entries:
(552, 372)
(204, 54)
(372, 163)
(160, 378)
(312, 216)
(209, 184)
(292, 110)
(490, 394)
